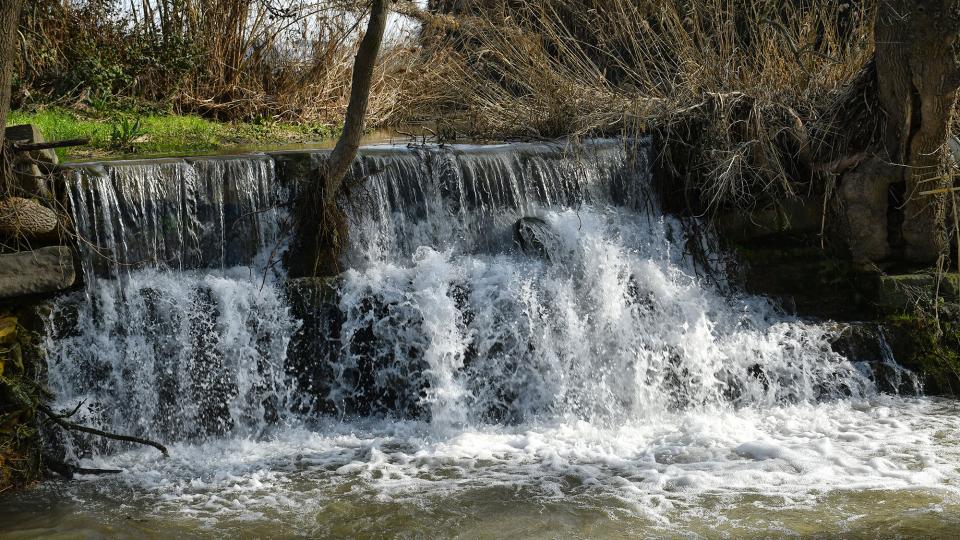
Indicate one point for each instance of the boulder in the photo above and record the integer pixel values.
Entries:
(25, 218)
(535, 237)
(44, 270)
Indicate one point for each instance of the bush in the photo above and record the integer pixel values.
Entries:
(222, 59)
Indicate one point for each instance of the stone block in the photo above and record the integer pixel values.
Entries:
(902, 292)
(40, 271)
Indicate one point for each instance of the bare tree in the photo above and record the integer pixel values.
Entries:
(914, 78)
(9, 17)
(918, 76)
(320, 224)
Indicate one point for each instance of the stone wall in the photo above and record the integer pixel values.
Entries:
(35, 264)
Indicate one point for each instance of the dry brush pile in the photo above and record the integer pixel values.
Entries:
(755, 101)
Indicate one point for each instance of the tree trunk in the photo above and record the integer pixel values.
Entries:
(914, 80)
(9, 17)
(918, 76)
(320, 224)
(346, 149)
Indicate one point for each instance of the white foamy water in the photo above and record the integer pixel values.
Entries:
(606, 381)
(851, 467)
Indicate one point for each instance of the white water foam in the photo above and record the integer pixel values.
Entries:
(662, 470)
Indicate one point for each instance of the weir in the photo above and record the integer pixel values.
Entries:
(520, 330)
(184, 328)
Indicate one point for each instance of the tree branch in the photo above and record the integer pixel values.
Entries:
(345, 151)
(70, 426)
(32, 147)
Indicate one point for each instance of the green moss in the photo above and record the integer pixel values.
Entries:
(124, 133)
(931, 351)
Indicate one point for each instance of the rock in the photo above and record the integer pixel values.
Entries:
(30, 180)
(866, 343)
(314, 346)
(863, 193)
(790, 217)
(40, 271)
(897, 293)
(929, 349)
(30, 173)
(25, 218)
(535, 237)
(806, 280)
(28, 133)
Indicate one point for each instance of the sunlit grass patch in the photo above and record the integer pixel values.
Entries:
(122, 133)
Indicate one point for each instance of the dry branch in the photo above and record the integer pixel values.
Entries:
(33, 147)
(70, 426)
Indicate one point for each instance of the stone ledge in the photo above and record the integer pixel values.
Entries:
(40, 271)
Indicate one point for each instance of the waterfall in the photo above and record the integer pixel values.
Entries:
(486, 285)
(181, 330)
(613, 318)
(174, 214)
(520, 333)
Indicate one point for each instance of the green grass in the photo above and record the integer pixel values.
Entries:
(123, 134)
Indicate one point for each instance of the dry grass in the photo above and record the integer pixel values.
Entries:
(740, 91)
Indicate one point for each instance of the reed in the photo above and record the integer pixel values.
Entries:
(737, 90)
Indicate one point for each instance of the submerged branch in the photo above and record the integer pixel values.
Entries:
(67, 470)
(70, 426)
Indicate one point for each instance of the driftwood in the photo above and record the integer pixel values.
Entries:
(68, 470)
(60, 420)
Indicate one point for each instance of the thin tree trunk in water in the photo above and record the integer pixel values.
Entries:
(346, 149)
(321, 225)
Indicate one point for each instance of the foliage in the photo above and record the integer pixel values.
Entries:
(739, 91)
(229, 60)
(19, 450)
(124, 133)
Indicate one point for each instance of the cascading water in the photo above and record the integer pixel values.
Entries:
(522, 344)
(608, 323)
(177, 333)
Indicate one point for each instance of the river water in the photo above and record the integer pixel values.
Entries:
(594, 374)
